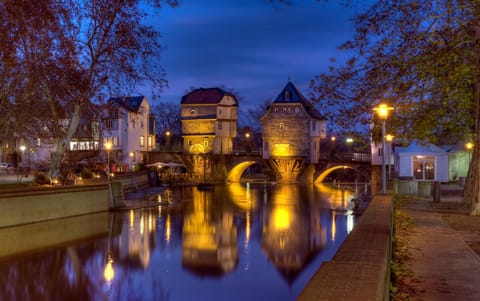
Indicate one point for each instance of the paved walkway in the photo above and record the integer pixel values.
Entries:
(444, 266)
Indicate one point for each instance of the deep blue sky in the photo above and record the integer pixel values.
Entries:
(249, 46)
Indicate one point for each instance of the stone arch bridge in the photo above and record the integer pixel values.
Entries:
(232, 167)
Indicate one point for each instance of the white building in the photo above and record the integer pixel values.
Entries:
(130, 128)
(422, 162)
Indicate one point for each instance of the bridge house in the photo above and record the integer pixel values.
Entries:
(292, 129)
(209, 121)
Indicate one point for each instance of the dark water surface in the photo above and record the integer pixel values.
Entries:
(238, 242)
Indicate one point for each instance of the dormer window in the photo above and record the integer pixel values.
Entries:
(287, 96)
(192, 111)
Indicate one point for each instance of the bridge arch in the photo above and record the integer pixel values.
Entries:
(236, 172)
(323, 174)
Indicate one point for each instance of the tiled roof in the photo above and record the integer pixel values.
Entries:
(205, 96)
(131, 103)
(290, 94)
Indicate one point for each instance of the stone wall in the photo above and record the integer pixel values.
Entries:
(43, 204)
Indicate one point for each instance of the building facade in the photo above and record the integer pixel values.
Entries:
(130, 128)
(292, 130)
(292, 127)
(209, 121)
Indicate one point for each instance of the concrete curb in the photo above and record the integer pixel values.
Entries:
(361, 268)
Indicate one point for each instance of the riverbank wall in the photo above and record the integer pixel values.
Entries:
(30, 205)
(360, 270)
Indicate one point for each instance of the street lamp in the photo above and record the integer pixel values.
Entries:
(469, 147)
(167, 134)
(108, 148)
(382, 110)
(389, 139)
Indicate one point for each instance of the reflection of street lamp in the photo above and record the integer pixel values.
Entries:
(108, 148)
(108, 271)
(382, 111)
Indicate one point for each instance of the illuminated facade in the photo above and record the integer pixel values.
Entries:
(128, 125)
(292, 130)
(209, 121)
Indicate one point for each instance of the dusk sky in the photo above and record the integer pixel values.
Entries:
(250, 46)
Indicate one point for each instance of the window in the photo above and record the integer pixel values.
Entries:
(192, 111)
(133, 123)
(282, 125)
(424, 167)
(141, 124)
(219, 125)
(109, 123)
(142, 141)
(150, 141)
(205, 143)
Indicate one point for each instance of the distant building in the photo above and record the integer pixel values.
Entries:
(128, 125)
(292, 127)
(209, 121)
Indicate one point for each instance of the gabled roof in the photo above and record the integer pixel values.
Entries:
(290, 94)
(206, 96)
(417, 148)
(131, 103)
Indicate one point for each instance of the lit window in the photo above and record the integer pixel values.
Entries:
(150, 141)
(142, 141)
(424, 167)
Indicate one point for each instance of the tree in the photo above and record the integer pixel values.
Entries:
(168, 119)
(65, 57)
(423, 59)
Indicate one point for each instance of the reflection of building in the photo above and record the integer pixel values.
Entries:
(292, 233)
(292, 129)
(136, 242)
(209, 121)
(209, 241)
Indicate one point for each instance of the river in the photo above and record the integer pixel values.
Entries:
(237, 242)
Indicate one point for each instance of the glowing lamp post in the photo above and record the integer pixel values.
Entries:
(389, 139)
(382, 110)
(469, 146)
(108, 148)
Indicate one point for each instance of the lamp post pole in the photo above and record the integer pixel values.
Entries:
(384, 171)
(382, 111)
(108, 147)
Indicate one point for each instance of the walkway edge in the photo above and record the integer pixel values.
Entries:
(361, 268)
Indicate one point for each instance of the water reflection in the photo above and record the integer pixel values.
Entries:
(209, 236)
(239, 242)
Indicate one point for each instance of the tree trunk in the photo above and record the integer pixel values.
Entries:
(57, 156)
(472, 185)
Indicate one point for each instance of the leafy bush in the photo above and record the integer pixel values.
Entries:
(42, 178)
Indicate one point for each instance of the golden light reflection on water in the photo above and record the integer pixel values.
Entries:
(209, 243)
(241, 196)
